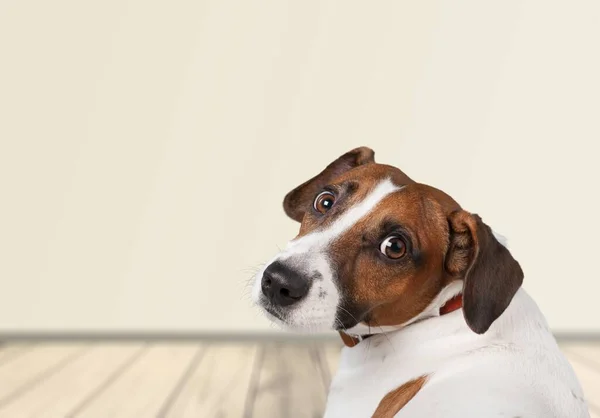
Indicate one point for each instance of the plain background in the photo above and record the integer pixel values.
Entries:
(146, 145)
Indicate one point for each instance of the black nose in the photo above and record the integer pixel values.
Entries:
(284, 286)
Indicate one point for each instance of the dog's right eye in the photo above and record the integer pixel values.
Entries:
(393, 247)
(324, 201)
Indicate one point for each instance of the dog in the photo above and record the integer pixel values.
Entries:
(426, 297)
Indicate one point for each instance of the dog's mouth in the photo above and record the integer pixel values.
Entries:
(342, 324)
(347, 318)
(272, 311)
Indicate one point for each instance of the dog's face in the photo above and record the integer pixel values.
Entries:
(377, 249)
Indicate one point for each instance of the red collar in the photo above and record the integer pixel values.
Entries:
(451, 305)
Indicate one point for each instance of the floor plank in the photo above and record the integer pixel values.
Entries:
(588, 351)
(8, 352)
(287, 385)
(26, 371)
(61, 393)
(589, 379)
(218, 387)
(317, 353)
(332, 356)
(179, 380)
(142, 389)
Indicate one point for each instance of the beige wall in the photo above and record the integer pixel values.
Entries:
(146, 146)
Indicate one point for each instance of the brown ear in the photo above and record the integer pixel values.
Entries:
(491, 275)
(299, 200)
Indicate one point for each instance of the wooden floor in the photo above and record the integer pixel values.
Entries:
(222, 380)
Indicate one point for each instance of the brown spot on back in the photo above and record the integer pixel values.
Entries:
(398, 398)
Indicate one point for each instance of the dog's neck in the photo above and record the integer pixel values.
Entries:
(453, 304)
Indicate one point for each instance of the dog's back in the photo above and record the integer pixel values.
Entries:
(514, 370)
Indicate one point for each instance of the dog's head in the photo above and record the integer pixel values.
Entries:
(376, 248)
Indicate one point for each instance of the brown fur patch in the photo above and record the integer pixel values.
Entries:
(398, 398)
(392, 292)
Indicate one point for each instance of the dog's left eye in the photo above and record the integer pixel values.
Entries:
(324, 201)
(393, 247)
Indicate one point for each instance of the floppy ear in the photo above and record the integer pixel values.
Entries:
(491, 275)
(299, 200)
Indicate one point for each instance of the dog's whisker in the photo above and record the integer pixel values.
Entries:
(341, 324)
(372, 308)
(253, 268)
(367, 350)
(348, 312)
(386, 337)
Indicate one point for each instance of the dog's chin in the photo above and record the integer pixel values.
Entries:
(297, 321)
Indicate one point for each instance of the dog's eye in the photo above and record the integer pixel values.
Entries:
(324, 201)
(393, 247)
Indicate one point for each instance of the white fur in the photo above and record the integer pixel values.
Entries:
(500, 238)
(309, 254)
(514, 370)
